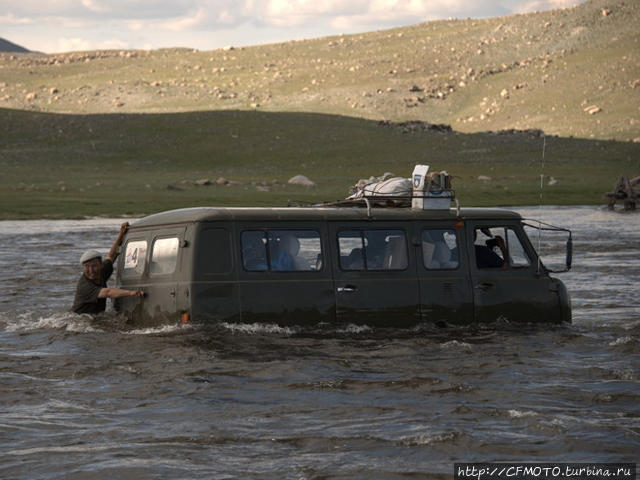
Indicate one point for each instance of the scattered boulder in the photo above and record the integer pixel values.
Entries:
(301, 180)
(203, 182)
(484, 178)
(222, 181)
(592, 109)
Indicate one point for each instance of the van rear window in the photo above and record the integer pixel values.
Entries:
(373, 250)
(164, 256)
(135, 258)
(281, 250)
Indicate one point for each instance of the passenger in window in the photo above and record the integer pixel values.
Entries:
(486, 256)
(291, 259)
(354, 260)
(253, 251)
(437, 252)
(375, 249)
(92, 291)
(285, 254)
(396, 254)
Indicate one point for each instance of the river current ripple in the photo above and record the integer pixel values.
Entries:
(87, 399)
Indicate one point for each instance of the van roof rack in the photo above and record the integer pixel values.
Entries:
(379, 201)
(382, 201)
(375, 201)
(360, 202)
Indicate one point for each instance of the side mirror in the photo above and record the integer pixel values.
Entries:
(569, 252)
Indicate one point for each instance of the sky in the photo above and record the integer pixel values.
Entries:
(54, 26)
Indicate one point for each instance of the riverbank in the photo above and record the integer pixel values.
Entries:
(76, 166)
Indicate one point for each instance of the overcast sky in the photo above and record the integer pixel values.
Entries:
(64, 25)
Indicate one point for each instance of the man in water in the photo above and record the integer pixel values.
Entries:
(92, 291)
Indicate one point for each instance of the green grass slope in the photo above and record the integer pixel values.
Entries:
(569, 72)
(59, 165)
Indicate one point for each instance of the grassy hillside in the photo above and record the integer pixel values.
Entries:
(58, 165)
(541, 70)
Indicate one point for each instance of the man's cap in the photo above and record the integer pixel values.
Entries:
(90, 255)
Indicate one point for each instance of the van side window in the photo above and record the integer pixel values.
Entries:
(373, 250)
(440, 249)
(281, 250)
(499, 247)
(164, 256)
(135, 258)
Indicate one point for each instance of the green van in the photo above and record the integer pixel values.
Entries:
(392, 267)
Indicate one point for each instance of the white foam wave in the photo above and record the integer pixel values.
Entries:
(429, 439)
(158, 330)
(455, 344)
(621, 341)
(353, 328)
(521, 414)
(258, 328)
(68, 321)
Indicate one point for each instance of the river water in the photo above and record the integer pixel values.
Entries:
(86, 399)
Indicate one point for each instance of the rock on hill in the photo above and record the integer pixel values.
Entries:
(7, 46)
(571, 72)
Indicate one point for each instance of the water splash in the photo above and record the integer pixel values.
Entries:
(259, 328)
(67, 321)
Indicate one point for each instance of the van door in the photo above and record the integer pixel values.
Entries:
(445, 286)
(164, 273)
(283, 276)
(132, 273)
(214, 290)
(506, 285)
(374, 274)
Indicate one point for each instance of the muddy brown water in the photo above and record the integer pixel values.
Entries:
(89, 399)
